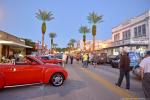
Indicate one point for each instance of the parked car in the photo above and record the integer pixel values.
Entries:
(110, 58)
(59, 55)
(51, 59)
(29, 71)
(102, 58)
(115, 61)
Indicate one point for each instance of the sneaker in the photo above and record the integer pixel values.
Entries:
(127, 88)
(117, 84)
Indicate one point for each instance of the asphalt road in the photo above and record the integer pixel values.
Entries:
(82, 84)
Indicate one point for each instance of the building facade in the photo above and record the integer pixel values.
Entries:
(132, 35)
(89, 45)
(10, 44)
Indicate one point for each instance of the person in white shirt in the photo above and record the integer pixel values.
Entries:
(145, 74)
(64, 59)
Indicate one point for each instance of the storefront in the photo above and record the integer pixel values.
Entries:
(10, 45)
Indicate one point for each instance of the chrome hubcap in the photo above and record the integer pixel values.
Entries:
(57, 80)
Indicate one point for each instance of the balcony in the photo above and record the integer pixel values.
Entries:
(133, 41)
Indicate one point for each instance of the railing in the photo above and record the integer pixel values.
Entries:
(140, 41)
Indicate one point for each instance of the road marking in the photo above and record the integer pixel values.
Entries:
(119, 91)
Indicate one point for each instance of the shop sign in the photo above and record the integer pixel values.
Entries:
(140, 41)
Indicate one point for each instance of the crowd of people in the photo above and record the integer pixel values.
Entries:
(11, 58)
(85, 58)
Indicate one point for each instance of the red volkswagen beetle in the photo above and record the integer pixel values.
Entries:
(51, 59)
(31, 71)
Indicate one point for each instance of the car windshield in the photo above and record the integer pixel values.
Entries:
(35, 60)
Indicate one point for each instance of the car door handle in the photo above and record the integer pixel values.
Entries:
(14, 69)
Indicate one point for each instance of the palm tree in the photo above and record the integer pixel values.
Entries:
(72, 41)
(52, 35)
(84, 30)
(44, 16)
(94, 19)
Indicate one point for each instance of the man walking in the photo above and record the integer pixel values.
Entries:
(124, 70)
(145, 74)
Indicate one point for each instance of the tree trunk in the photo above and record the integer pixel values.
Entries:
(93, 43)
(42, 42)
(84, 45)
(51, 45)
(84, 41)
(94, 34)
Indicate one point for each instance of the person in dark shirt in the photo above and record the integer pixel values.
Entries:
(124, 70)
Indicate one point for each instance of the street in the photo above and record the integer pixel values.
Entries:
(82, 84)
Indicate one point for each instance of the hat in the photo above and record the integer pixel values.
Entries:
(148, 52)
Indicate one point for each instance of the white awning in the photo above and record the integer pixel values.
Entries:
(11, 43)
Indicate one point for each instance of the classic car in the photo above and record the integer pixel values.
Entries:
(51, 59)
(30, 71)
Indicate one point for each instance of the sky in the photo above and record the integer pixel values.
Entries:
(17, 17)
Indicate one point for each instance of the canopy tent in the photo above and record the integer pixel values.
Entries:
(12, 43)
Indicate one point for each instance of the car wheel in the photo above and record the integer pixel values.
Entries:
(57, 79)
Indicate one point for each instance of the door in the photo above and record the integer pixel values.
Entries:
(24, 74)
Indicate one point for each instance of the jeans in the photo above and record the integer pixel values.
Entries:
(85, 64)
(121, 76)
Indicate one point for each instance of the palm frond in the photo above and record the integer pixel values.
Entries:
(44, 15)
(94, 18)
(84, 29)
(72, 41)
(52, 35)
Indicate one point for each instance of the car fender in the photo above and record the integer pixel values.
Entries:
(2, 83)
(49, 72)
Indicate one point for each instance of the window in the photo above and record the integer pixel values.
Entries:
(116, 37)
(139, 31)
(44, 58)
(144, 30)
(135, 32)
(126, 34)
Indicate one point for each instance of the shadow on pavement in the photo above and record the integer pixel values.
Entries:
(40, 90)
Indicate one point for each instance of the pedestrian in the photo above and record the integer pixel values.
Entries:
(85, 60)
(64, 57)
(124, 70)
(95, 58)
(91, 58)
(145, 74)
(71, 59)
(67, 59)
